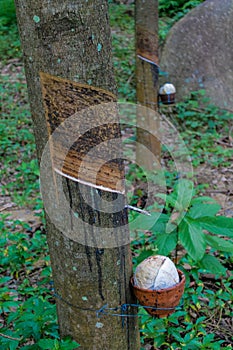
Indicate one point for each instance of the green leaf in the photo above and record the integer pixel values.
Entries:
(160, 224)
(46, 343)
(176, 333)
(192, 238)
(69, 344)
(169, 199)
(166, 242)
(144, 254)
(201, 210)
(220, 225)
(144, 222)
(212, 264)
(219, 243)
(174, 318)
(184, 191)
(181, 197)
(13, 345)
(10, 304)
(203, 199)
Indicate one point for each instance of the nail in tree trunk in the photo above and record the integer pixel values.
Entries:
(67, 43)
(147, 81)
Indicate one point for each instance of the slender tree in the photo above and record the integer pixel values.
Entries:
(65, 42)
(147, 80)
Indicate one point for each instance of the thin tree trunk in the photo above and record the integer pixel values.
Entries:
(147, 81)
(71, 40)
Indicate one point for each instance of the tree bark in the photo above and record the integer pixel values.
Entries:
(147, 81)
(71, 40)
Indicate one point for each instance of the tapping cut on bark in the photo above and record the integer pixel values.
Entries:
(82, 121)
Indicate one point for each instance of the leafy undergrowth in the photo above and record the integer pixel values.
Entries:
(19, 173)
(9, 39)
(203, 321)
(172, 11)
(28, 311)
(123, 43)
(28, 314)
(206, 129)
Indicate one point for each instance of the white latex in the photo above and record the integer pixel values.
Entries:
(167, 89)
(157, 272)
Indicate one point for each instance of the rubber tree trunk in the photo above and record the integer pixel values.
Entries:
(147, 81)
(71, 40)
